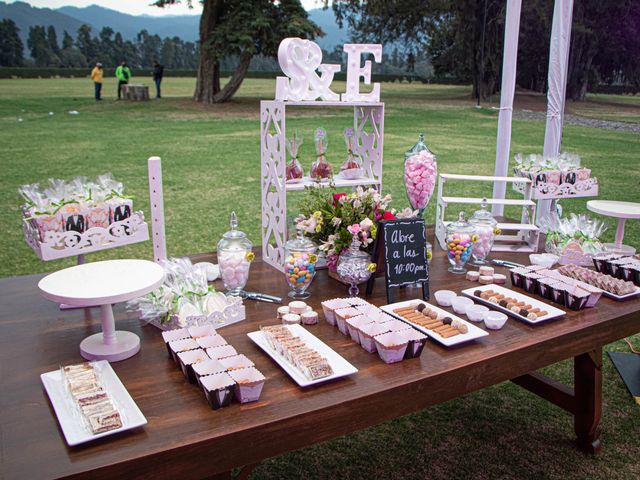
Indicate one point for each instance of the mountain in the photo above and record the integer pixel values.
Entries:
(183, 26)
(25, 16)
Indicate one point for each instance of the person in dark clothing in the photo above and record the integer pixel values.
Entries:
(158, 71)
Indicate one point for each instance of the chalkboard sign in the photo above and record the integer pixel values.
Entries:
(401, 245)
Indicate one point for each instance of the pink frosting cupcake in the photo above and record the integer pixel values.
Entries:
(249, 383)
(391, 346)
(368, 332)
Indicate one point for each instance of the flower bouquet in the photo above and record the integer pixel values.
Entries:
(332, 219)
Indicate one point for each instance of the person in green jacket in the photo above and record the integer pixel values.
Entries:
(123, 74)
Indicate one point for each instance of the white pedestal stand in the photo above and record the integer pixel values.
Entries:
(622, 211)
(103, 284)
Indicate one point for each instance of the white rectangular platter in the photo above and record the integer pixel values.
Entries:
(473, 333)
(552, 312)
(75, 432)
(622, 297)
(341, 368)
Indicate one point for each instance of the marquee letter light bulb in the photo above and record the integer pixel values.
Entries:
(355, 71)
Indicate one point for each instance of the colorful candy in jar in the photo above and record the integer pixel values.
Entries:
(420, 172)
(321, 170)
(486, 228)
(294, 171)
(299, 265)
(460, 240)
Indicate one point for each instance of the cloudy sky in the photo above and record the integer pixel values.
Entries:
(138, 7)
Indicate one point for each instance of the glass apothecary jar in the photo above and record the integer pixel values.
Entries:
(460, 239)
(234, 257)
(355, 267)
(420, 173)
(486, 229)
(300, 265)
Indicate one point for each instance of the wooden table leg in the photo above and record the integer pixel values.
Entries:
(587, 370)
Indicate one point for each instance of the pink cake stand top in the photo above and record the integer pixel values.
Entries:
(101, 283)
(615, 209)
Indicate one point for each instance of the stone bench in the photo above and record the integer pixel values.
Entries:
(134, 92)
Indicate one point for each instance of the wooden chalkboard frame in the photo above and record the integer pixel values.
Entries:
(379, 256)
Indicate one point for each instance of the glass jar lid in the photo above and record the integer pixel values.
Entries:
(234, 238)
(418, 147)
(461, 225)
(300, 244)
(483, 215)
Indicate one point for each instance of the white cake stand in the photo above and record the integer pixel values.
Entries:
(103, 284)
(622, 211)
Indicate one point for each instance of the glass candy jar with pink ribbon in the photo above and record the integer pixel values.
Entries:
(420, 172)
(486, 229)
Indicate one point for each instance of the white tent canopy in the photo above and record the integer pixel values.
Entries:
(557, 79)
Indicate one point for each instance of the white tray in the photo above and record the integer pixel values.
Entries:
(622, 297)
(72, 426)
(473, 333)
(552, 312)
(341, 368)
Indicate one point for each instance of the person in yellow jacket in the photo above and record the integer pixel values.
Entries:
(96, 76)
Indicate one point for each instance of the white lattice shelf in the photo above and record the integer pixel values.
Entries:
(368, 125)
(68, 244)
(552, 191)
(515, 236)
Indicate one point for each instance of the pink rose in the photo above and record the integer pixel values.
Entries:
(354, 229)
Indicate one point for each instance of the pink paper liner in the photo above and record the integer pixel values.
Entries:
(177, 334)
(221, 352)
(249, 383)
(367, 333)
(202, 331)
(236, 362)
(353, 326)
(211, 341)
(391, 346)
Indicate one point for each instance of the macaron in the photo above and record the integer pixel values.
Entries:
(473, 276)
(499, 279)
(485, 270)
(309, 318)
(297, 307)
(290, 319)
(485, 279)
(282, 311)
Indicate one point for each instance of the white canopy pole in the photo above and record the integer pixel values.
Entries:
(557, 79)
(509, 60)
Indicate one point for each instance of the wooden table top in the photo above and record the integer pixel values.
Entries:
(185, 438)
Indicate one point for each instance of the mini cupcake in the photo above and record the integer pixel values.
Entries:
(558, 290)
(357, 301)
(600, 261)
(354, 324)
(627, 271)
(309, 318)
(249, 383)
(177, 346)
(202, 331)
(391, 346)
(187, 359)
(517, 276)
(341, 316)
(218, 389)
(236, 362)
(171, 335)
(212, 341)
(544, 287)
(218, 353)
(530, 281)
(576, 298)
(291, 319)
(297, 307)
(282, 311)
(368, 332)
(330, 306)
(415, 342)
(207, 367)
(395, 325)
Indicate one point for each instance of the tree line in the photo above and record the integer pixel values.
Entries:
(108, 48)
(465, 39)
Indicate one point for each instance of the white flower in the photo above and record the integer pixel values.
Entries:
(366, 224)
(407, 213)
(336, 221)
(357, 203)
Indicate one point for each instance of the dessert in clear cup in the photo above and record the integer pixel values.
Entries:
(321, 170)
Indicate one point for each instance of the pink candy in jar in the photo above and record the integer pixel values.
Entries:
(234, 258)
(320, 169)
(486, 229)
(420, 172)
(294, 171)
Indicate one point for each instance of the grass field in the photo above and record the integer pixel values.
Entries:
(211, 165)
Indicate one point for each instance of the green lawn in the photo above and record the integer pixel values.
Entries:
(211, 163)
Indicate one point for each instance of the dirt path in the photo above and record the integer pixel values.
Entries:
(580, 121)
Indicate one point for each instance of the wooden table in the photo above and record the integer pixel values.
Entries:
(185, 439)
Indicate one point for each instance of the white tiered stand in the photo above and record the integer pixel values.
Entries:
(519, 237)
(368, 122)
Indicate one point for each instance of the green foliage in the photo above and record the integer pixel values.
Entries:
(10, 44)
